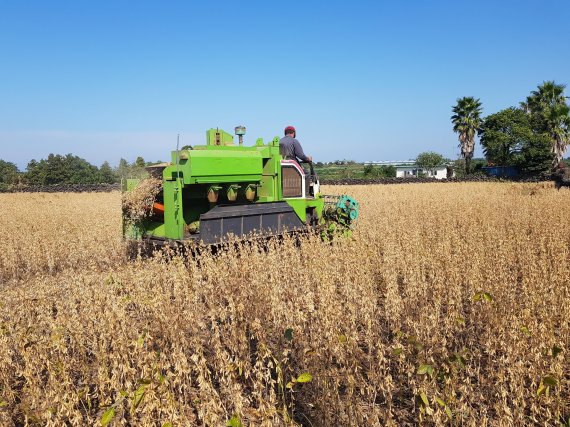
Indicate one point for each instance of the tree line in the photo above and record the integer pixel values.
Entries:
(68, 169)
(532, 137)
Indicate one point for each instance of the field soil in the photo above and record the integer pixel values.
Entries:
(449, 305)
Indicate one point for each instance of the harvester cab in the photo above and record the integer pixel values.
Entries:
(211, 193)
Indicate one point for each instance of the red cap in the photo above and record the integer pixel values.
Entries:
(290, 128)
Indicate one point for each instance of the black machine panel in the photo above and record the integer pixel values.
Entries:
(265, 219)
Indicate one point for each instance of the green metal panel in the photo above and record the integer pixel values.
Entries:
(301, 205)
(155, 229)
(270, 190)
(236, 164)
(207, 164)
(218, 137)
(173, 209)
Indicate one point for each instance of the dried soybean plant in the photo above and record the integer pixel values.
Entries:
(49, 233)
(446, 307)
(137, 203)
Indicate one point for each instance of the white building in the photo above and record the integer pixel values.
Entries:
(412, 171)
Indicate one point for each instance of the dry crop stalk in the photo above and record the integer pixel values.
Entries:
(137, 203)
(449, 299)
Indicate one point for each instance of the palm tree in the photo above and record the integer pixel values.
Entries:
(551, 115)
(466, 121)
(558, 125)
(548, 95)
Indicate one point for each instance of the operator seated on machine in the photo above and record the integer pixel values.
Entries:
(290, 148)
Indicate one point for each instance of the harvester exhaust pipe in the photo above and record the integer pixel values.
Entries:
(240, 132)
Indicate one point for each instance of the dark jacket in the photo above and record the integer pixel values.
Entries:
(290, 149)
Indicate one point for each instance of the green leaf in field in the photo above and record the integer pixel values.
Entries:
(415, 343)
(234, 422)
(483, 295)
(525, 330)
(425, 369)
(556, 351)
(139, 395)
(550, 381)
(545, 384)
(3, 403)
(459, 359)
(424, 399)
(140, 341)
(144, 381)
(290, 384)
(460, 320)
(397, 351)
(108, 416)
(288, 334)
(123, 393)
(442, 403)
(167, 424)
(342, 339)
(304, 378)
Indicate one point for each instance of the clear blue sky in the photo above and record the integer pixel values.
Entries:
(362, 80)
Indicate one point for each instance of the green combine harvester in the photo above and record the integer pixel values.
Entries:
(214, 192)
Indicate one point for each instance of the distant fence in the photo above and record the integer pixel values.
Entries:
(419, 180)
(64, 188)
(501, 171)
